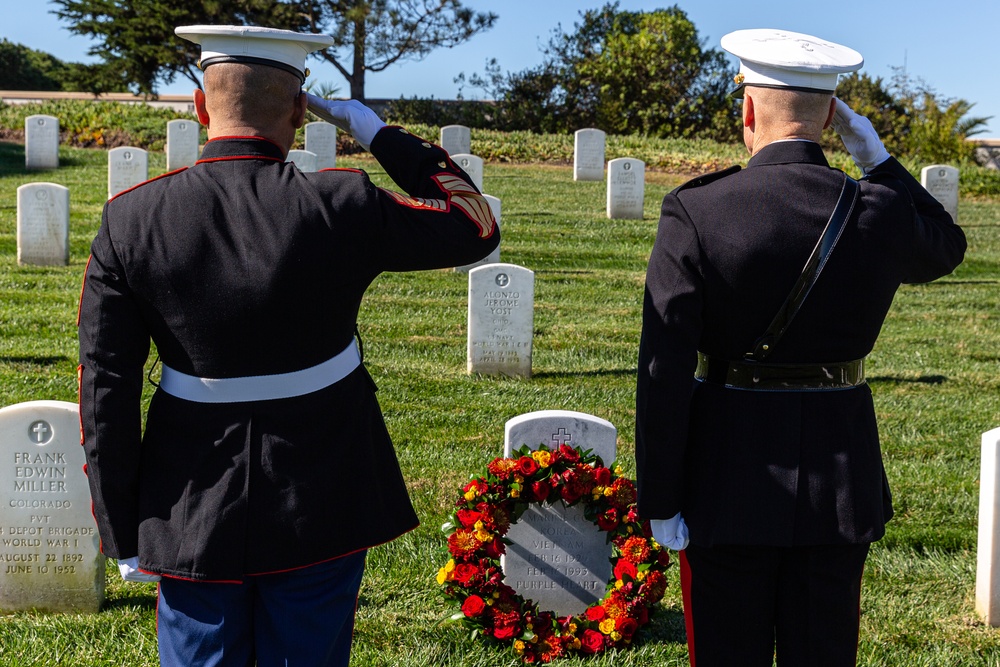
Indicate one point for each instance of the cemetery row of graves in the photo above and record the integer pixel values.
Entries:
(541, 336)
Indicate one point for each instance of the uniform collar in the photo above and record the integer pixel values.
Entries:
(785, 152)
(245, 148)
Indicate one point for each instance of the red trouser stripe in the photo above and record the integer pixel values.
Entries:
(686, 596)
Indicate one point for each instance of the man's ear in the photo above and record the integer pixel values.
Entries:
(829, 116)
(200, 108)
(299, 115)
(748, 112)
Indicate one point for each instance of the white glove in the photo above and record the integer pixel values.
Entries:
(351, 116)
(129, 569)
(671, 533)
(859, 137)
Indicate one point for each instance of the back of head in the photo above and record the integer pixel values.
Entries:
(783, 111)
(252, 98)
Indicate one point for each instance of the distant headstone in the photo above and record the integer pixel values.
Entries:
(494, 256)
(588, 155)
(456, 139)
(43, 224)
(501, 319)
(182, 143)
(50, 556)
(941, 180)
(472, 165)
(558, 558)
(321, 139)
(626, 188)
(127, 167)
(41, 142)
(304, 160)
(988, 548)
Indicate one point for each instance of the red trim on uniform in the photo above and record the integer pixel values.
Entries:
(83, 286)
(356, 171)
(155, 178)
(227, 158)
(321, 562)
(686, 596)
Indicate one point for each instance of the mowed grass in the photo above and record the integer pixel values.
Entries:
(935, 376)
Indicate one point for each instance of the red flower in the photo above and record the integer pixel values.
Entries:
(635, 549)
(463, 543)
(602, 476)
(527, 466)
(540, 490)
(622, 494)
(608, 520)
(505, 631)
(468, 518)
(464, 572)
(653, 587)
(595, 613)
(626, 626)
(494, 549)
(592, 642)
(501, 468)
(625, 568)
(473, 606)
(569, 454)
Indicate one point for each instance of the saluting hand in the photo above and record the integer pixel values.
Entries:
(859, 137)
(351, 116)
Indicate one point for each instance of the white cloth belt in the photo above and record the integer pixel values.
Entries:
(261, 387)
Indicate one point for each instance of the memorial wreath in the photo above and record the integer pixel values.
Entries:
(490, 504)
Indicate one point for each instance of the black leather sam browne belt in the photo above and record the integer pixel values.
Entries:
(753, 371)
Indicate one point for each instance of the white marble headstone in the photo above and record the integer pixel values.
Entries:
(494, 256)
(941, 180)
(471, 165)
(588, 155)
(626, 188)
(304, 160)
(321, 139)
(988, 546)
(557, 557)
(456, 139)
(501, 320)
(41, 142)
(43, 224)
(127, 167)
(49, 547)
(182, 143)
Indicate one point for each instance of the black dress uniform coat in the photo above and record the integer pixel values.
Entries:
(762, 467)
(243, 266)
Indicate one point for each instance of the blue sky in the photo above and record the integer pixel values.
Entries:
(949, 45)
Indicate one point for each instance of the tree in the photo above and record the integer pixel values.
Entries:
(625, 72)
(22, 68)
(137, 38)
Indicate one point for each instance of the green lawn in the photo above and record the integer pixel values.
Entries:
(936, 380)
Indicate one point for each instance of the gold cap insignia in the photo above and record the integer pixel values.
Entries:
(738, 79)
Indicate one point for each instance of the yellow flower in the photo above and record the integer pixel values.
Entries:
(470, 494)
(572, 628)
(640, 575)
(442, 576)
(542, 458)
(519, 645)
(618, 470)
(619, 584)
(515, 493)
(617, 636)
(608, 491)
(575, 644)
(607, 626)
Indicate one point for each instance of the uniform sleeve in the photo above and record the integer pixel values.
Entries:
(114, 345)
(936, 244)
(441, 221)
(671, 328)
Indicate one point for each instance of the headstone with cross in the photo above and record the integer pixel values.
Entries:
(588, 154)
(471, 165)
(43, 224)
(941, 180)
(41, 142)
(626, 188)
(456, 139)
(128, 166)
(182, 143)
(501, 320)
(49, 547)
(556, 556)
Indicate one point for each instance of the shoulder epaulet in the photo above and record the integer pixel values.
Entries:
(708, 178)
